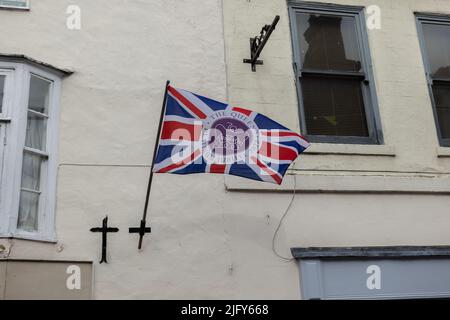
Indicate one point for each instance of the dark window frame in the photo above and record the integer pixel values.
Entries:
(367, 85)
(437, 19)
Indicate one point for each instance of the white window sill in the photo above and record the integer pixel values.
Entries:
(29, 236)
(443, 152)
(15, 8)
(350, 150)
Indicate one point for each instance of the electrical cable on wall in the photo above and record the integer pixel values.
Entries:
(281, 222)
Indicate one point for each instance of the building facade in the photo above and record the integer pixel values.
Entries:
(360, 214)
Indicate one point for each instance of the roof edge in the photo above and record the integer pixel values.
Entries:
(26, 59)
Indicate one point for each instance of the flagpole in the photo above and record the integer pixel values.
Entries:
(150, 179)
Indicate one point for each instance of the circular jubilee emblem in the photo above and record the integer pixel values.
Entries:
(229, 137)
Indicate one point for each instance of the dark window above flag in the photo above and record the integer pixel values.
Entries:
(336, 91)
(435, 35)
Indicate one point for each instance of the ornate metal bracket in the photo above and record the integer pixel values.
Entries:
(257, 43)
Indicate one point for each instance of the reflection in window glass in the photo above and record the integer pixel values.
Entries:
(437, 42)
(333, 82)
(437, 46)
(441, 93)
(39, 95)
(328, 42)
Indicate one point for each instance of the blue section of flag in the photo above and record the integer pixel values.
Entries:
(214, 105)
(164, 152)
(244, 171)
(192, 168)
(175, 109)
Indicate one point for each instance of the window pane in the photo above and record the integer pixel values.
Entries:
(334, 106)
(31, 171)
(438, 49)
(28, 211)
(328, 42)
(2, 90)
(442, 99)
(39, 94)
(36, 131)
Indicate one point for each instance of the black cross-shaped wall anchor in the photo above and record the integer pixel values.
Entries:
(104, 230)
(142, 230)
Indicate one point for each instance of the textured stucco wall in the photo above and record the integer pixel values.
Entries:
(208, 242)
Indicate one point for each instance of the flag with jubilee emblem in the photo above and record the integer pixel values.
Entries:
(201, 135)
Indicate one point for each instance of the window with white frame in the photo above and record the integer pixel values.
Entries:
(16, 4)
(28, 129)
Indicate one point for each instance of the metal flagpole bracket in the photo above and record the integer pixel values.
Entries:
(257, 43)
(142, 230)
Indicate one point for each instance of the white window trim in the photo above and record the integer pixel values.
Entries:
(16, 109)
(27, 6)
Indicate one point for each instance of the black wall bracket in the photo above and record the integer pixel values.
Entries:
(257, 43)
(104, 229)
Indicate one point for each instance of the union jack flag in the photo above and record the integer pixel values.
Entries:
(201, 135)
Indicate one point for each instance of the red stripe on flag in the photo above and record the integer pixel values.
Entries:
(181, 163)
(276, 151)
(199, 113)
(217, 168)
(243, 111)
(269, 171)
(180, 131)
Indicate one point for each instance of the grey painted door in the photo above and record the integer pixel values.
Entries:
(396, 278)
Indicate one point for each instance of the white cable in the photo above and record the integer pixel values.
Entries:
(281, 221)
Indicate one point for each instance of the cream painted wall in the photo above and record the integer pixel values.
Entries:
(370, 212)
(122, 57)
(207, 241)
